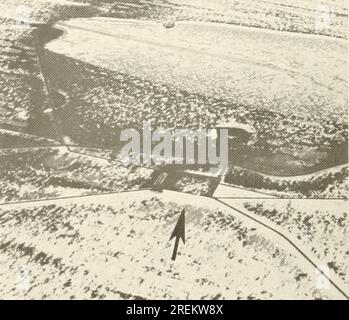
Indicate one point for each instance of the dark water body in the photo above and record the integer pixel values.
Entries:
(286, 165)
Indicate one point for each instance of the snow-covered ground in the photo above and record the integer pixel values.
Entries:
(321, 226)
(284, 72)
(116, 246)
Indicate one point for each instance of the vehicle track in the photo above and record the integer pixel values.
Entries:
(60, 138)
(336, 283)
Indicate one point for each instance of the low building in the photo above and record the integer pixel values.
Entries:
(238, 133)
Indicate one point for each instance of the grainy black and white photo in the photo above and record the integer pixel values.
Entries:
(174, 150)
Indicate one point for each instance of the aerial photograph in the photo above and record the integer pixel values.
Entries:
(174, 150)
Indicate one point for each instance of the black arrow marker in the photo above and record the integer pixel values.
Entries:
(178, 233)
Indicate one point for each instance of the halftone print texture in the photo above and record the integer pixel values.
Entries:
(174, 149)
